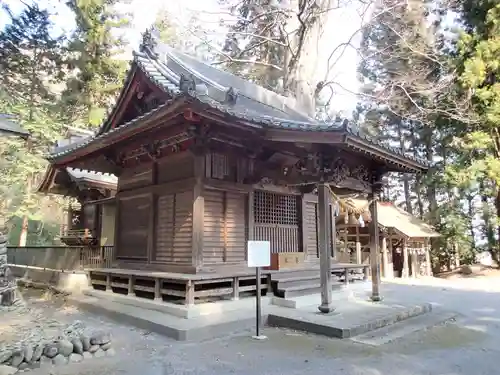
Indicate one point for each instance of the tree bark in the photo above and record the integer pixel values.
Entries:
(404, 176)
(304, 31)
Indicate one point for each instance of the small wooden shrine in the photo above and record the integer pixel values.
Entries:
(404, 239)
(91, 201)
(207, 161)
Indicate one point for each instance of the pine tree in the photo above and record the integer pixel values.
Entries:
(96, 47)
(478, 160)
(31, 64)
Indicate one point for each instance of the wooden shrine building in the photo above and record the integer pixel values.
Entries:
(207, 161)
(90, 212)
(404, 239)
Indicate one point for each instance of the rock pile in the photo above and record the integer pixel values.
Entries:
(56, 352)
(7, 282)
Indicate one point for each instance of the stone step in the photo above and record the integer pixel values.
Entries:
(406, 327)
(284, 283)
(289, 274)
(304, 289)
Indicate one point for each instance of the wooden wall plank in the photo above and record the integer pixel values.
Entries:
(225, 230)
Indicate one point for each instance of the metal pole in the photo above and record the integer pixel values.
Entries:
(257, 304)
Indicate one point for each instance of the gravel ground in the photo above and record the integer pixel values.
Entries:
(468, 346)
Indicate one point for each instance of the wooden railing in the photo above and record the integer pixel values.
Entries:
(64, 258)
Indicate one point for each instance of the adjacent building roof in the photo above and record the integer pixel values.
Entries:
(59, 180)
(52, 183)
(391, 216)
(9, 127)
(184, 77)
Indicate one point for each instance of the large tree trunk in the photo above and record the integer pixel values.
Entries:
(470, 212)
(488, 227)
(404, 176)
(497, 207)
(431, 188)
(304, 29)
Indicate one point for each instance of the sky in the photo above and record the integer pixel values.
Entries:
(341, 26)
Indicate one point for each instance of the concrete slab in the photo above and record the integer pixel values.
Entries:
(203, 327)
(354, 315)
(350, 319)
(401, 329)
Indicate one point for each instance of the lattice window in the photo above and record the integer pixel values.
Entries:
(217, 166)
(273, 208)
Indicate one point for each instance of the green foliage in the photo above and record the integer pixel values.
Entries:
(257, 35)
(478, 159)
(94, 49)
(40, 233)
(31, 65)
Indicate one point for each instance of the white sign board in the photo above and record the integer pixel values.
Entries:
(259, 253)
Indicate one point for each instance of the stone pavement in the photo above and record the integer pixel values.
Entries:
(467, 346)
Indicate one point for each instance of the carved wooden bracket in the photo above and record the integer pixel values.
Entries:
(335, 170)
(201, 138)
(152, 150)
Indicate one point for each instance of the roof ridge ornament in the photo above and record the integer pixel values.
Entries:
(187, 84)
(149, 41)
(231, 96)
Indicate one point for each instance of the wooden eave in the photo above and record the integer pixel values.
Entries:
(399, 162)
(149, 121)
(126, 94)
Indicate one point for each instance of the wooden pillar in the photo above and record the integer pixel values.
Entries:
(414, 262)
(324, 248)
(358, 246)
(374, 240)
(158, 296)
(428, 264)
(391, 254)
(385, 260)
(130, 291)
(406, 270)
(198, 209)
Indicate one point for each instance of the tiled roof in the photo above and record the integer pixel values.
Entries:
(79, 175)
(9, 127)
(180, 75)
